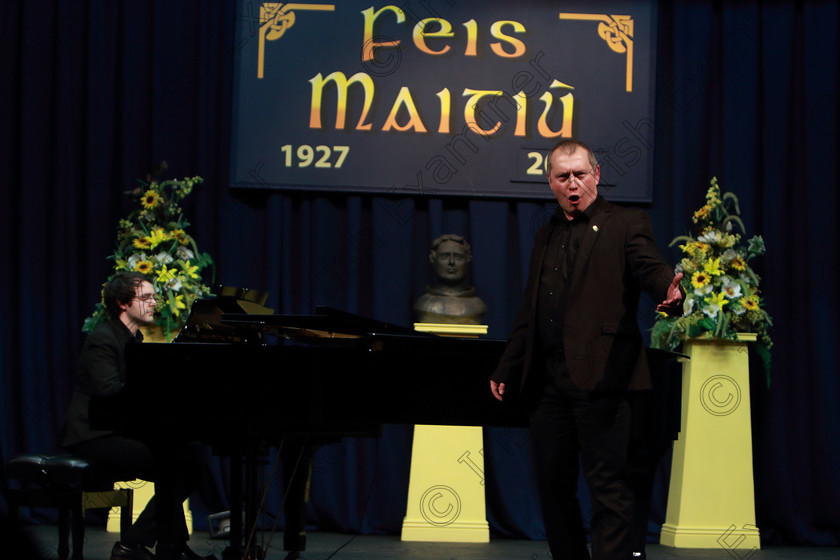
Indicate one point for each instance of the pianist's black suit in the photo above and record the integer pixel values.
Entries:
(102, 372)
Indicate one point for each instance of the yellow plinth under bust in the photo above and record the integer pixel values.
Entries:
(446, 488)
(143, 492)
(446, 485)
(711, 499)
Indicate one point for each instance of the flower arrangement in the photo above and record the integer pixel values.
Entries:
(152, 240)
(722, 296)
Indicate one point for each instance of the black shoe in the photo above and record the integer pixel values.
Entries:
(189, 554)
(122, 552)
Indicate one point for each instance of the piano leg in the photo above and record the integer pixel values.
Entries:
(173, 460)
(252, 551)
(243, 491)
(296, 455)
(234, 549)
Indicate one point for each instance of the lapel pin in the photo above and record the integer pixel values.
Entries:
(594, 228)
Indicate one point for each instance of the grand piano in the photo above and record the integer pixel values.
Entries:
(243, 382)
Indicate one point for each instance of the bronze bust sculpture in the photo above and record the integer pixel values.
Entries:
(451, 300)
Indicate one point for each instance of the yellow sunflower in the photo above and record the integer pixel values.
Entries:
(144, 267)
(142, 242)
(700, 279)
(750, 303)
(150, 199)
(180, 236)
(739, 264)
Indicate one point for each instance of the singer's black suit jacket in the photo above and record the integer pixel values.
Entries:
(616, 260)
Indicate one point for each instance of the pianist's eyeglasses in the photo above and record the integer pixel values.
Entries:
(145, 297)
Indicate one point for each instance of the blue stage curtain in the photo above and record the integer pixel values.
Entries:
(95, 93)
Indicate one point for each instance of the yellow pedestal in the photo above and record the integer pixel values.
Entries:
(711, 500)
(143, 492)
(446, 488)
(446, 484)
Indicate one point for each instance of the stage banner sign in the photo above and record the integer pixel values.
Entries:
(441, 97)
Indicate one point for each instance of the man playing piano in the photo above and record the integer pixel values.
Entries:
(130, 302)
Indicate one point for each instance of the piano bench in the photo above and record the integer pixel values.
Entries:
(70, 484)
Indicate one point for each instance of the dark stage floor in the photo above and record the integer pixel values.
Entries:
(346, 547)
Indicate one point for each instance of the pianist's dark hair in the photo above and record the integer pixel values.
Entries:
(121, 288)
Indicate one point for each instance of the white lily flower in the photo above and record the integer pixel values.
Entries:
(163, 258)
(711, 237)
(731, 288)
(704, 290)
(711, 310)
(184, 253)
